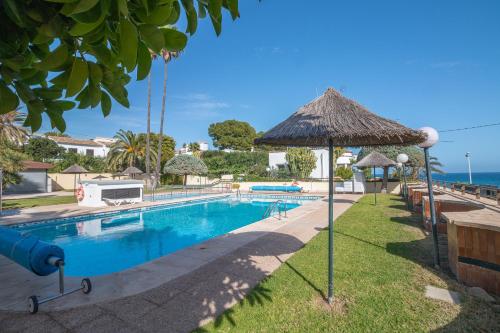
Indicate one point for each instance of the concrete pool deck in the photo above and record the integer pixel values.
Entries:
(175, 293)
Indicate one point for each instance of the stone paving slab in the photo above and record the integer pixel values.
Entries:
(441, 294)
(194, 298)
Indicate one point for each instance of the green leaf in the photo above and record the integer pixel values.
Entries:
(152, 36)
(202, 12)
(84, 5)
(54, 59)
(61, 80)
(214, 9)
(232, 5)
(84, 98)
(62, 1)
(103, 55)
(174, 40)
(158, 17)
(105, 104)
(14, 10)
(80, 29)
(34, 119)
(89, 16)
(48, 93)
(53, 28)
(122, 7)
(78, 77)
(24, 92)
(95, 73)
(143, 62)
(94, 95)
(128, 44)
(191, 16)
(8, 100)
(174, 15)
(60, 105)
(57, 120)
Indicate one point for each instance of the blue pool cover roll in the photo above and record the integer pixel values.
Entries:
(29, 251)
(282, 188)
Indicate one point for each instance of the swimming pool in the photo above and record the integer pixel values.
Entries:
(96, 246)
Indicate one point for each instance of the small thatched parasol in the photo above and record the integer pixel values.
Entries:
(99, 177)
(185, 165)
(334, 120)
(132, 171)
(76, 170)
(375, 159)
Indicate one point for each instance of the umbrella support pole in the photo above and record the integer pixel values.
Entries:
(432, 208)
(330, 222)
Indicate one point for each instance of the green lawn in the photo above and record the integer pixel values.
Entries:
(41, 201)
(382, 265)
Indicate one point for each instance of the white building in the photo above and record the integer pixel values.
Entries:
(185, 150)
(277, 160)
(84, 147)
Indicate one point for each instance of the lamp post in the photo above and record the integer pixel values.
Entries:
(467, 156)
(403, 158)
(1, 190)
(432, 139)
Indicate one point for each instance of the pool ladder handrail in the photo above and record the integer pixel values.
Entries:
(272, 207)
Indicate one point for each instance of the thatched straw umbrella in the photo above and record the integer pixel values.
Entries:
(375, 159)
(132, 171)
(334, 120)
(76, 170)
(185, 165)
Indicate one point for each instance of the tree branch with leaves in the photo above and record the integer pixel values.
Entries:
(59, 54)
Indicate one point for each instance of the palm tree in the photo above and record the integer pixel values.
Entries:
(167, 56)
(436, 165)
(10, 127)
(128, 150)
(148, 130)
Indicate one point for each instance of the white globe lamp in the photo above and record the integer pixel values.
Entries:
(432, 137)
(402, 158)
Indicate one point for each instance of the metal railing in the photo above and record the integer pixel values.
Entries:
(273, 207)
(480, 191)
(184, 191)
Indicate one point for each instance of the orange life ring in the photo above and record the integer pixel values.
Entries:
(80, 193)
(295, 183)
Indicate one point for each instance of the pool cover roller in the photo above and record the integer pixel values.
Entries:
(282, 188)
(29, 251)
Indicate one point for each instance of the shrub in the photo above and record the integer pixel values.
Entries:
(344, 173)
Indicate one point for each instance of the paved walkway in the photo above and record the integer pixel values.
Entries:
(193, 299)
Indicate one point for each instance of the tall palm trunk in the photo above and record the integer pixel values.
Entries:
(162, 119)
(148, 132)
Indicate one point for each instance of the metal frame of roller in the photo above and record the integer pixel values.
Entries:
(85, 287)
(40, 258)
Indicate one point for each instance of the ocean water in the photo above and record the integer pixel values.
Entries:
(478, 178)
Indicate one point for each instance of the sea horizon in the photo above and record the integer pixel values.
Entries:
(478, 178)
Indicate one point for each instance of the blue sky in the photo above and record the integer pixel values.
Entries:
(422, 63)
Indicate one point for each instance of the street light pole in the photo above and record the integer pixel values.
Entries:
(432, 139)
(1, 190)
(467, 156)
(403, 158)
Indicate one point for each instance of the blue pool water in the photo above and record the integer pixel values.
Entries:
(120, 241)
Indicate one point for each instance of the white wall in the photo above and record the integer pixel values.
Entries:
(98, 151)
(319, 172)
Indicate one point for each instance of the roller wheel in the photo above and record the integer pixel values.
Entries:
(86, 286)
(33, 304)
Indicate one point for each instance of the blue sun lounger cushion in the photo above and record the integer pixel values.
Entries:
(29, 251)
